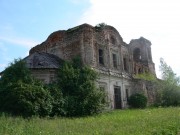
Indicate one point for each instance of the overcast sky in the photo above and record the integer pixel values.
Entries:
(24, 24)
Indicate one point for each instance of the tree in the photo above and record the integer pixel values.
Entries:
(81, 96)
(101, 24)
(21, 94)
(16, 71)
(169, 88)
(57, 100)
(25, 100)
(74, 93)
(167, 73)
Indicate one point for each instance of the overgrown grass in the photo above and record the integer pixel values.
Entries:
(159, 121)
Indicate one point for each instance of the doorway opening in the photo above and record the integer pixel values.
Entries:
(117, 97)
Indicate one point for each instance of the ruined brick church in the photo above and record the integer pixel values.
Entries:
(102, 48)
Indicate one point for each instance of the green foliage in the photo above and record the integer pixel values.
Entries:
(57, 100)
(20, 94)
(25, 100)
(146, 76)
(169, 94)
(169, 88)
(167, 73)
(137, 101)
(74, 93)
(73, 29)
(16, 71)
(156, 121)
(100, 26)
(80, 94)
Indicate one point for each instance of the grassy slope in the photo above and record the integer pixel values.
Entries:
(159, 121)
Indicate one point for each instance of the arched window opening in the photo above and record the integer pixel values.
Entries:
(125, 64)
(137, 55)
(139, 71)
(135, 70)
(113, 40)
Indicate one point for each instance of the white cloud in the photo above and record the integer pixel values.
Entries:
(19, 41)
(9, 34)
(155, 20)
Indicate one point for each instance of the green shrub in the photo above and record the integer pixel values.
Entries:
(21, 94)
(16, 71)
(57, 100)
(168, 94)
(74, 93)
(81, 96)
(169, 86)
(25, 100)
(171, 96)
(137, 101)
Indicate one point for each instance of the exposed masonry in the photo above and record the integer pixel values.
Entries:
(104, 50)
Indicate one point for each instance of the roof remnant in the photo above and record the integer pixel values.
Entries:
(43, 60)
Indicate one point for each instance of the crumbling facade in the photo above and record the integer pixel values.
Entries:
(103, 49)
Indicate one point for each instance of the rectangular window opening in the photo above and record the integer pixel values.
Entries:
(101, 57)
(114, 60)
(125, 64)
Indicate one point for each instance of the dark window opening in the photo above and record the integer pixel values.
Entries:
(114, 60)
(139, 71)
(134, 70)
(101, 57)
(137, 55)
(113, 40)
(125, 64)
(117, 97)
(149, 54)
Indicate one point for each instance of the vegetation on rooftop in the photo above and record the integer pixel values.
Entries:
(73, 29)
(146, 76)
(100, 26)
